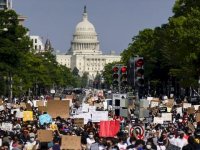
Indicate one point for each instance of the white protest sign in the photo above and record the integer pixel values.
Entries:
(179, 110)
(85, 107)
(92, 109)
(1, 107)
(98, 116)
(105, 104)
(154, 104)
(19, 114)
(35, 103)
(166, 116)
(149, 98)
(13, 110)
(7, 126)
(187, 105)
(196, 107)
(86, 116)
(158, 120)
(144, 103)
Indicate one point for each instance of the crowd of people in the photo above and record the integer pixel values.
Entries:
(182, 133)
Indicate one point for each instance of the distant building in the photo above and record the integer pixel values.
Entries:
(5, 4)
(85, 53)
(38, 45)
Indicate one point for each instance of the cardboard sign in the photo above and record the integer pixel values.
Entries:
(190, 110)
(7, 126)
(170, 103)
(1, 101)
(191, 126)
(57, 98)
(58, 108)
(71, 142)
(109, 128)
(42, 109)
(158, 120)
(186, 105)
(79, 122)
(28, 107)
(23, 105)
(167, 116)
(197, 117)
(28, 116)
(39, 103)
(98, 116)
(45, 135)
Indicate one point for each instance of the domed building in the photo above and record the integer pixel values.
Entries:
(85, 53)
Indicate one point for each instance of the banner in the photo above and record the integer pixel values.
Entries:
(86, 116)
(109, 128)
(98, 116)
(7, 126)
(45, 118)
(27, 116)
(58, 108)
(45, 135)
(79, 122)
(71, 142)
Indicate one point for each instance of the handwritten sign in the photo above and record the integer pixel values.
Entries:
(71, 142)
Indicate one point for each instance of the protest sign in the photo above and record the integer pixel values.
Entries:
(28, 107)
(1, 101)
(158, 120)
(85, 107)
(179, 110)
(71, 142)
(19, 114)
(53, 127)
(190, 110)
(79, 122)
(154, 103)
(86, 116)
(14, 110)
(28, 116)
(163, 109)
(109, 128)
(45, 135)
(166, 116)
(92, 109)
(144, 103)
(1, 107)
(58, 108)
(40, 103)
(7, 126)
(23, 105)
(196, 107)
(42, 109)
(45, 118)
(98, 116)
(197, 117)
(170, 103)
(186, 105)
(191, 126)
(57, 98)
(169, 109)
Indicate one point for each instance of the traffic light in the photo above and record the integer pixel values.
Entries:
(115, 76)
(123, 76)
(139, 71)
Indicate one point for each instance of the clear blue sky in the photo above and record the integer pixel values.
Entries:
(115, 21)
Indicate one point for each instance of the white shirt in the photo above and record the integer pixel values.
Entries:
(89, 142)
(122, 146)
(181, 142)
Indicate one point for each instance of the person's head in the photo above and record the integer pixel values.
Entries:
(148, 145)
(139, 144)
(190, 140)
(133, 140)
(91, 135)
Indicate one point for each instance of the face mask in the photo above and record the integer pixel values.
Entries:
(133, 143)
(91, 136)
(32, 139)
(148, 146)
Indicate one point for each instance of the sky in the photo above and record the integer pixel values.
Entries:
(116, 21)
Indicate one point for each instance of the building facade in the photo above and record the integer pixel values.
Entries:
(85, 53)
(38, 45)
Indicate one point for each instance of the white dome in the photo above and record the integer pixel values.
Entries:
(85, 27)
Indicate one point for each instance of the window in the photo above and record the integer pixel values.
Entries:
(39, 47)
(35, 46)
(35, 40)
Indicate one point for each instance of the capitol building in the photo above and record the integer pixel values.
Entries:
(85, 53)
